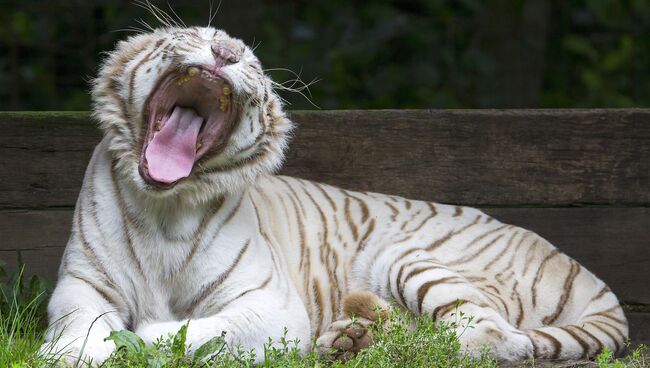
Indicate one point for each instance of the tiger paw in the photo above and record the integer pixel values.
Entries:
(344, 338)
(87, 353)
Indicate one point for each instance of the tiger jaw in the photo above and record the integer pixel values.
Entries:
(189, 116)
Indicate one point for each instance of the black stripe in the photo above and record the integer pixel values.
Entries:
(208, 289)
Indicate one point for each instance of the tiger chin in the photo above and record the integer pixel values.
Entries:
(180, 220)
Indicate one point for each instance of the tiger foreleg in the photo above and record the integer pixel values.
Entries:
(249, 322)
(81, 319)
(348, 335)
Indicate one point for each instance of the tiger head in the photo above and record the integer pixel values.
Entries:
(189, 112)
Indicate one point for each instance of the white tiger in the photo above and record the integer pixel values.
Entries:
(180, 219)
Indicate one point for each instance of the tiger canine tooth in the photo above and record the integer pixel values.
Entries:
(157, 126)
(198, 145)
(226, 90)
(192, 71)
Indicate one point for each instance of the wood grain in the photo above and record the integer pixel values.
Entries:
(639, 326)
(44, 156)
(510, 157)
(478, 157)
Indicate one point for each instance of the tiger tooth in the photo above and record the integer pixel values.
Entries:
(226, 90)
(198, 146)
(182, 80)
(158, 125)
(192, 71)
(223, 103)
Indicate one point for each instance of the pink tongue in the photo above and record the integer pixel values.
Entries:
(170, 154)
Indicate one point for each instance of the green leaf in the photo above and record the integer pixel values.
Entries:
(178, 345)
(213, 346)
(157, 361)
(127, 340)
(38, 289)
(580, 46)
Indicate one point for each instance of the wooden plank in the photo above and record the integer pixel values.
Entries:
(477, 157)
(44, 157)
(611, 242)
(40, 236)
(639, 328)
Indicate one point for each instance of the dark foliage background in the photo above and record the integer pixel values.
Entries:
(367, 54)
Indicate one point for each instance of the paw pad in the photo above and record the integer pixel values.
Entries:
(345, 338)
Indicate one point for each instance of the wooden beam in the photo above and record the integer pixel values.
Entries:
(639, 326)
(44, 157)
(477, 157)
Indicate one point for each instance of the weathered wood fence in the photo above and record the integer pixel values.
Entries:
(580, 178)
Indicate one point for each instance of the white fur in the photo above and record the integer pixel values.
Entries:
(281, 252)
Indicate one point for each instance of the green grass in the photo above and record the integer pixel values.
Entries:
(23, 322)
(22, 319)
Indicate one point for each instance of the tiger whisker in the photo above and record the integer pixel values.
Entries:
(292, 84)
(130, 29)
(255, 46)
(177, 17)
(163, 17)
(144, 24)
(211, 15)
(297, 75)
(299, 90)
(170, 19)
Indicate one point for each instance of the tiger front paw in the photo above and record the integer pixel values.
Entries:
(152, 332)
(345, 338)
(76, 353)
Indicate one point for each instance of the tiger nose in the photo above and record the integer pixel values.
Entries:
(224, 53)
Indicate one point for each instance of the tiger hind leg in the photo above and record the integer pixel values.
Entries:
(429, 288)
(602, 324)
(347, 336)
(479, 327)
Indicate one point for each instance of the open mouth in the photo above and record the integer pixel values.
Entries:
(189, 115)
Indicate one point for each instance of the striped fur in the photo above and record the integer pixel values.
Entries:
(233, 248)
